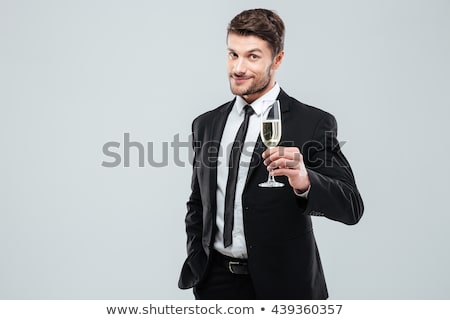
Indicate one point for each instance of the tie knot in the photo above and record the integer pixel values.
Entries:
(248, 110)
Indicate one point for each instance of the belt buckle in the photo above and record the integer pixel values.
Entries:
(235, 263)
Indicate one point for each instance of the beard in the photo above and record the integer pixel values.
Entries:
(259, 85)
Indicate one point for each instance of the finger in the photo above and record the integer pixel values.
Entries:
(285, 152)
(291, 159)
(269, 151)
(284, 172)
(284, 163)
(276, 161)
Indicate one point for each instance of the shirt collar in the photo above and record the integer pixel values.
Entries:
(258, 105)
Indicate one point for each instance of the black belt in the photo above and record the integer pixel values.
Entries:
(234, 265)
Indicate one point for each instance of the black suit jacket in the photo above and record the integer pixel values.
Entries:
(283, 257)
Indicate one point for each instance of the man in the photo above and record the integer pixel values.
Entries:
(245, 241)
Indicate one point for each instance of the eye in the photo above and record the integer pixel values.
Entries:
(254, 57)
(232, 55)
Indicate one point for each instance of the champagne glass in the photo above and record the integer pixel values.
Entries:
(271, 136)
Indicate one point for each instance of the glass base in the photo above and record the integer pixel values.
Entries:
(271, 184)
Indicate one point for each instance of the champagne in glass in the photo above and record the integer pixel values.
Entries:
(271, 132)
(271, 136)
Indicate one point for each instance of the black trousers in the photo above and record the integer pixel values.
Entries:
(220, 284)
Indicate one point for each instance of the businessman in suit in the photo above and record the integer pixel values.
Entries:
(245, 241)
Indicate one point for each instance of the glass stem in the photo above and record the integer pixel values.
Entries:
(271, 178)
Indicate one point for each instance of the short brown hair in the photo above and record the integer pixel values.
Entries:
(263, 23)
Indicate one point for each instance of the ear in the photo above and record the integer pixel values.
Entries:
(278, 59)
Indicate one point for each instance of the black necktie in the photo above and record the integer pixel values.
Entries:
(233, 164)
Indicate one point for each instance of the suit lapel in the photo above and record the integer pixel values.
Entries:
(217, 126)
(284, 101)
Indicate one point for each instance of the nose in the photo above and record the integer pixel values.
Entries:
(240, 66)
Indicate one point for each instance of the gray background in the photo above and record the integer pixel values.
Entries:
(77, 74)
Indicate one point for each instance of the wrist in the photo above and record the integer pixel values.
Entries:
(303, 184)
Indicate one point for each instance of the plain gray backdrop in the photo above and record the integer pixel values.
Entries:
(75, 75)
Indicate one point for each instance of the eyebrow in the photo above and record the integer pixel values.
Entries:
(249, 51)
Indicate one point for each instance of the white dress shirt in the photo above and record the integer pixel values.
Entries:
(238, 248)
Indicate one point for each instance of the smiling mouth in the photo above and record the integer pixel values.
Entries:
(240, 79)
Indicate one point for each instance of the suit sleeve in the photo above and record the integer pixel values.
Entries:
(195, 262)
(194, 216)
(333, 192)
